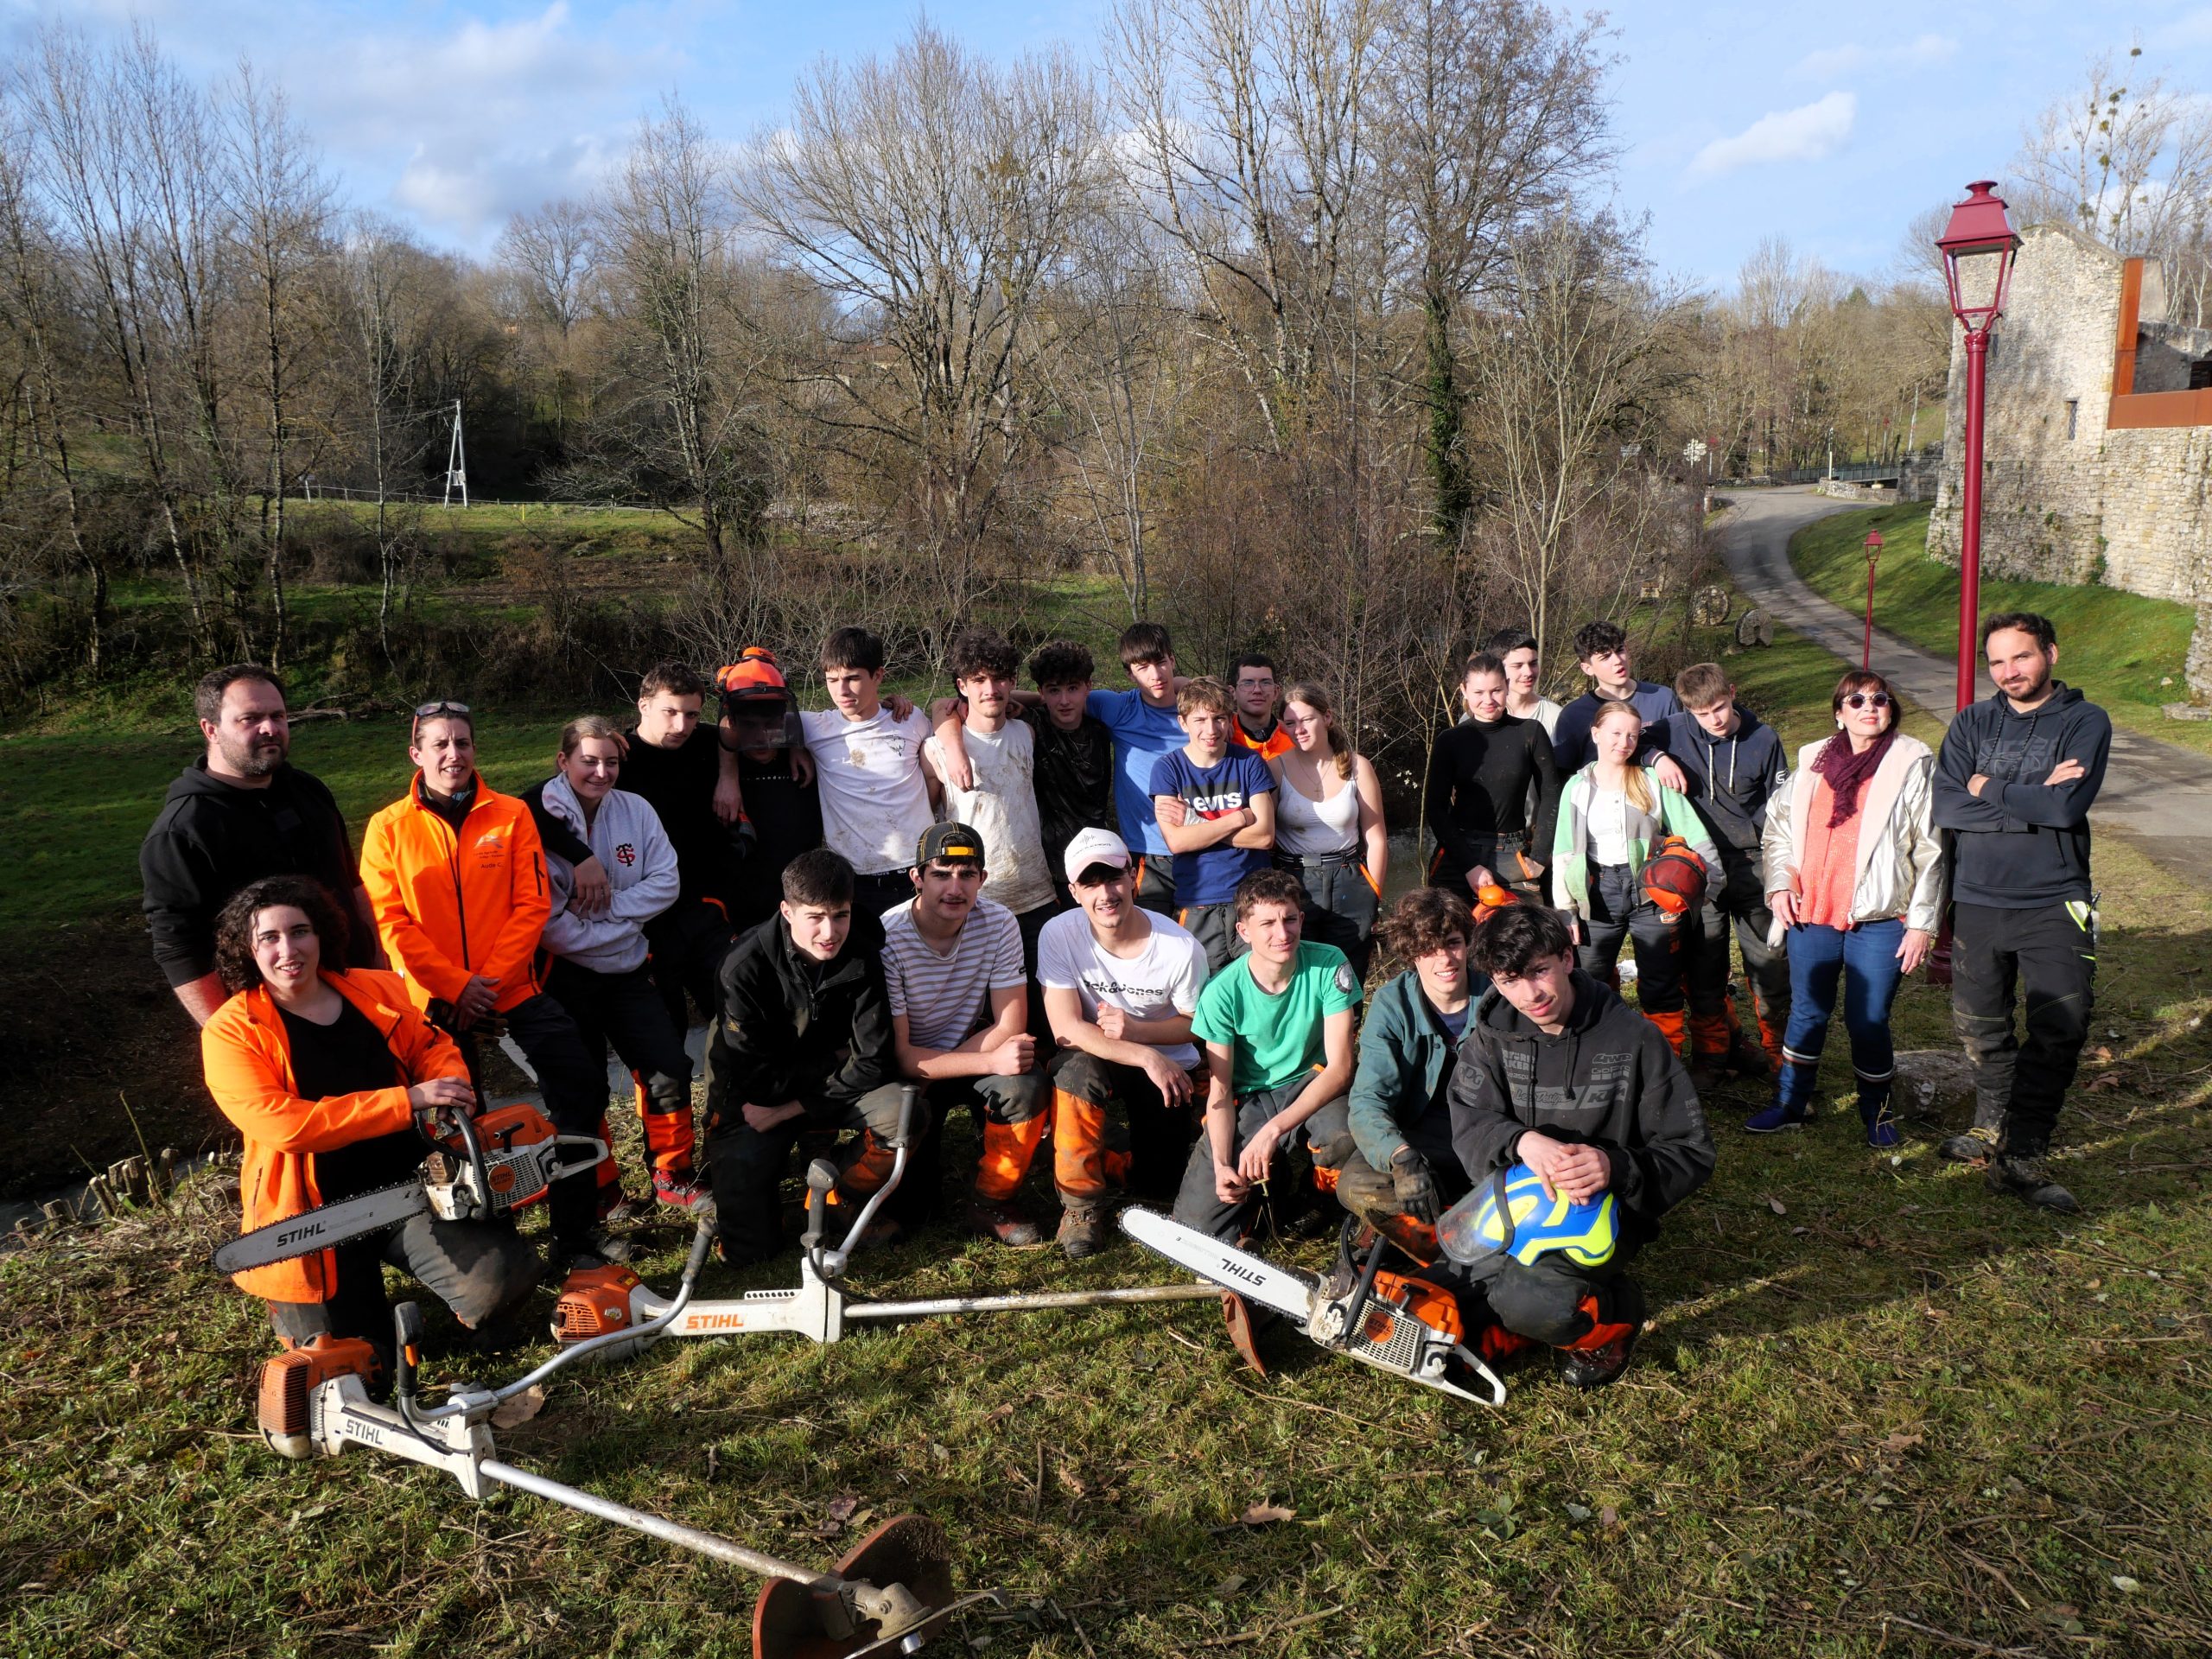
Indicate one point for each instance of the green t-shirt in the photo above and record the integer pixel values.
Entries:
(1274, 1039)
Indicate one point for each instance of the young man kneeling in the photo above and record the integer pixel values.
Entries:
(1560, 1075)
(1405, 1173)
(804, 1041)
(1120, 985)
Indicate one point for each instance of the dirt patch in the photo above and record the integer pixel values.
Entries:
(89, 1022)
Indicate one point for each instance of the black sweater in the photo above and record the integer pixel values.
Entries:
(1479, 780)
(679, 785)
(2021, 844)
(792, 1028)
(1608, 1080)
(212, 838)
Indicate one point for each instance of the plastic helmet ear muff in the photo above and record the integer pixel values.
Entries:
(1509, 1215)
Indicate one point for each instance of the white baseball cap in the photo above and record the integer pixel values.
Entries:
(1095, 847)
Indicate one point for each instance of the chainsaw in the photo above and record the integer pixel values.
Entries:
(481, 1167)
(889, 1595)
(1395, 1322)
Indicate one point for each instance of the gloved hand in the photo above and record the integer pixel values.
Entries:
(1414, 1186)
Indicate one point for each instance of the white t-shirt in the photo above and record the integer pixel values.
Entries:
(1002, 809)
(947, 998)
(875, 807)
(1608, 822)
(1159, 982)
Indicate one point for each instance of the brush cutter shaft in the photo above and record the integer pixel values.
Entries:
(1024, 1302)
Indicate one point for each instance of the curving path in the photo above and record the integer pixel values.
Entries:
(2157, 795)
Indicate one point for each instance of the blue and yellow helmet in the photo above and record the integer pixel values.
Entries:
(1509, 1214)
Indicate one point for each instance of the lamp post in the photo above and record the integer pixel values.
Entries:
(1978, 247)
(1874, 553)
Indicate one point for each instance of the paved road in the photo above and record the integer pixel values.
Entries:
(2156, 794)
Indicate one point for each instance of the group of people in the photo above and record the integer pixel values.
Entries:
(1138, 923)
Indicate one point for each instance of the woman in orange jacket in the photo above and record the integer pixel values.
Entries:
(328, 1072)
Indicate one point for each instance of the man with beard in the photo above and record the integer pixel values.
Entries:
(2017, 774)
(241, 812)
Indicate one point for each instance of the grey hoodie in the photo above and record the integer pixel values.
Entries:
(627, 837)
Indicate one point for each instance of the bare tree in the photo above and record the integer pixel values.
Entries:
(683, 424)
(551, 254)
(1249, 124)
(381, 273)
(278, 221)
(1490, 115)
(932, 197)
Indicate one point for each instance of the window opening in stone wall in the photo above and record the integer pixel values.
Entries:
(2200, 373)
(2073, 415)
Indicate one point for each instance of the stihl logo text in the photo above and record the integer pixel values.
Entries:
(358, 1430)
(714, 1322)
(1238, 1270)
(312, 1230)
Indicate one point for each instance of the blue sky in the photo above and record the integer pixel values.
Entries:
(1739, 120)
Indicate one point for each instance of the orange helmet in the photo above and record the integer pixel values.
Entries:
(1673, 878)
(753, 674)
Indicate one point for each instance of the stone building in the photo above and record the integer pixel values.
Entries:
(2097, 445)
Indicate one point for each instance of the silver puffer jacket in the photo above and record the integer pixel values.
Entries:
(1900, 859)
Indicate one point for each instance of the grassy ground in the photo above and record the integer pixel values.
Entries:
(2124, 651)
(1879, 1412)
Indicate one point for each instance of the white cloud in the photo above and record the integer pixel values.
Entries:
(1833, 63)
(1809, 133)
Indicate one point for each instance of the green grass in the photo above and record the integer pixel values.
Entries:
(1879, 1413)
(2122, 650)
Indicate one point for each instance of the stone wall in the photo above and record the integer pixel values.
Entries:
(2064, 499)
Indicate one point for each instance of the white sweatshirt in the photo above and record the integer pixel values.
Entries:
(627, 837)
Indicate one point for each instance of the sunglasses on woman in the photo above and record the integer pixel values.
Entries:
(1861, 699)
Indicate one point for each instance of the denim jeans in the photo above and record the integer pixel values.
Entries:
(1863, 960)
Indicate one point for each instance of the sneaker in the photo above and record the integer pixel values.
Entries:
(1002, 1222)
(678, 1192)
(1593, 1368)
(1976, 1147)
(1082, 1230)
(2028, 1177)
(1776, 1118)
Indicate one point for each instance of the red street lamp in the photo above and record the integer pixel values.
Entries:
(1873, 552)
(1978, 247)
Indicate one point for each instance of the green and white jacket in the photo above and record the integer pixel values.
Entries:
(1571, 839)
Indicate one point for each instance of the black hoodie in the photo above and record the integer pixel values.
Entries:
(1608, 1080)
(2021, 844)
(793, 1028)
(1731, 778)
(212, 838)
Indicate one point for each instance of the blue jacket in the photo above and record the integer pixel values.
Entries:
(1404, 1066)
(1572, 749)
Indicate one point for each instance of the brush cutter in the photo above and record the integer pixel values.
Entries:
(610, 1311)
(888, 1595)
(1397, 1323)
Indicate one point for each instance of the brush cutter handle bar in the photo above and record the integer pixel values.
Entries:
(831, 1264)
(866, 1597)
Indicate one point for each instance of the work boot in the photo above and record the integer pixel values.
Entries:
(597, 1248)
(1978, 1144)
(2027, 1176)
(1593, 1368)
(1002, 1222)
(678, 1189)
(1708, 1072)
(1082, 1230)
(1746, 1057)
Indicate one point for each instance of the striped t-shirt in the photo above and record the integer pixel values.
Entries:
(947, 999)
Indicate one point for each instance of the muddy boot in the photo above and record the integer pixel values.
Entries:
(2026, 1176)
(1002, 1222)
(1745, 1056)
(1978, 1144)
(1084, 1229)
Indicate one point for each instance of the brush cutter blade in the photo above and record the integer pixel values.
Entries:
(792, 1620)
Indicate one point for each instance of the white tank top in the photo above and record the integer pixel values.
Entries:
(1311, 828)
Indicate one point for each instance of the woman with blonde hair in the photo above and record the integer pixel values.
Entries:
(1854, 870)
(1329, 829)
(597, 971)
(1612, 814)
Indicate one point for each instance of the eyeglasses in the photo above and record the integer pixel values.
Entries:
(1861, 699)
(438, 710)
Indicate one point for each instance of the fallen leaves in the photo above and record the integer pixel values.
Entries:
(1777, 1204)
(1262, 1515)
(520, 1410)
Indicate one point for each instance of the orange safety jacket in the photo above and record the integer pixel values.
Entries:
(248, 1060)
(448, 907)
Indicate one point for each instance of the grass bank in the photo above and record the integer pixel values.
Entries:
(2126, 651)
